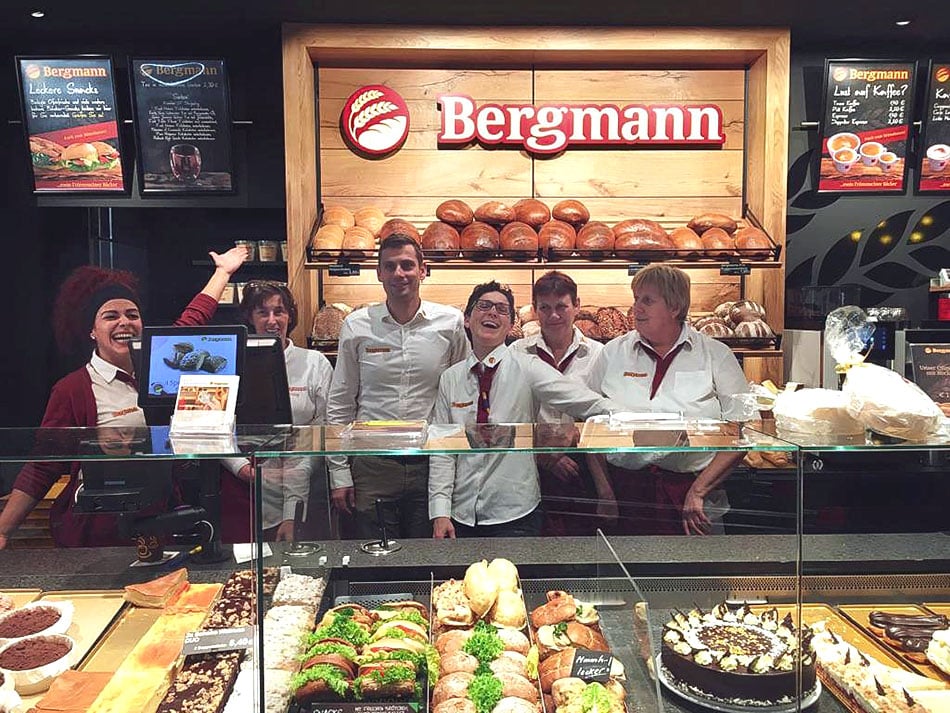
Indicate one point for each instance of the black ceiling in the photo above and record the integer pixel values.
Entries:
(813, 22)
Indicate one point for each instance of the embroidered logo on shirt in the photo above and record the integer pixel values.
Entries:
(378, 350)
(293, 389)
(636, 374)
(462, 404)
(123, 412)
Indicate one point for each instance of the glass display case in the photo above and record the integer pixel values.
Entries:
(642, 586)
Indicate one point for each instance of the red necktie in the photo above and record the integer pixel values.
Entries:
(485, 376)
(662, 365)
(548, 359)
(127, 378)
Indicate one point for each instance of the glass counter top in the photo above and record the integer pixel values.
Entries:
(868, 441)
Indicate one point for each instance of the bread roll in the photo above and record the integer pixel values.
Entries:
(518, 240)
(456, 213)
(638, 236)
(532, 212)
(754, 328)
(371, 218)
(508, 610)
(687, 242)
(595, 240)
(505, 574)
(358, 242)
(746, 311)
(479, 240)
(398, 225)
(753, 244)
(494, 213)
(718, 243)
(571, 211)
(557, 238)
(328, 241)
(702, 223)
(338, 215)
(440, 240)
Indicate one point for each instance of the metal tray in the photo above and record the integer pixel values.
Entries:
(119, 639)
(21, 596)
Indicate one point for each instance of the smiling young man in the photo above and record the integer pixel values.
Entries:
(390, 358)
(495, 494)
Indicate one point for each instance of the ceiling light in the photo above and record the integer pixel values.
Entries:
(37, 14)
(902, 23)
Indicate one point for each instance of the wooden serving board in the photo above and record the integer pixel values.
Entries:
(21, 596)
(859, 613)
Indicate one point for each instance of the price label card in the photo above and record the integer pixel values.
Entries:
(591, 665)
(734, 268)
(215, 640)
(934, 153)
(345, 270)
(865, 127)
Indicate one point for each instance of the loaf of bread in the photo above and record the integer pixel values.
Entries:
(358, 242)
(440, 240)
(456, 213)
(589, 328)
(612, 322)
(717, 328)
(494, 213)
(526, 314)
(753, 328)
(722, 310)
(532, 212)
(595, 239)
(687, 242)
(753, 244)
(327, 323)
(398, 225)
(557, 238)
(338, 215)
(702, 223)
(718, 243)
(328, 241)
(571, 211)
(371, 218)
(701, 322)
(641, 236)
(745, 311)
(479, 240)
(518, 239)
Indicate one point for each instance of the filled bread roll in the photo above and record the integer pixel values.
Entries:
(687, 242)
(702, 223)
(440, 240)
(718, 243)
(573, 212)
(358, 242)
(480, 587)
(456, 213)
(753, 244)
(371, 218)
(494, 213)
(557, 238)
(518, 240)
(338, 215)
(479, 240)
(398, 225)
(532, 212)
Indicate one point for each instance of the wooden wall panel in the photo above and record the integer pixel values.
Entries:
(427, 84)
(632, 86)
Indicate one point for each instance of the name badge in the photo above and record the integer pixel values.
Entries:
(378, 350)
(462, 404)
(123, 412)
(635, 374)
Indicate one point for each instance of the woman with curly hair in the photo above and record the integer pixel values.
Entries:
(98, 309)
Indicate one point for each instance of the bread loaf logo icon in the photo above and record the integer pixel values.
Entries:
(32, 71)
(375, 120)
(942, 74)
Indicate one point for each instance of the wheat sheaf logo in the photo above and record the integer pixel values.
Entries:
(375, 120)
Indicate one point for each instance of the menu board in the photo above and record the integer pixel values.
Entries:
(183, 125)
(69, 114)
(931, 369)
(865, 126)
(934, 173)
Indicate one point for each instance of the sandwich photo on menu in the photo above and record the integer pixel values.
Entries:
(94, 159)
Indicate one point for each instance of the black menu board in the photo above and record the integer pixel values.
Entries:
(69, 114)
(934, 175)
(183, 125)
(865, 126)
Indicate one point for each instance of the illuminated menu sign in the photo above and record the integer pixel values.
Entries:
(935, 139)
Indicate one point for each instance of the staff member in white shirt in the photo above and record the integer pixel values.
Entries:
(390, 358)
(665, 365)
(495, 494)
(571, 497)
(269, 308)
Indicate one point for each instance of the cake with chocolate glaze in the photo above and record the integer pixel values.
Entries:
(737, 655)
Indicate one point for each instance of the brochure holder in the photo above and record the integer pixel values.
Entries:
(204, 406)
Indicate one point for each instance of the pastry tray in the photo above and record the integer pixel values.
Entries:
(119, 639)
(21, 596)
(858, 613)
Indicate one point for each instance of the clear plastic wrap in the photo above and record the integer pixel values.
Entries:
(816, 412)
(885, 402)
(848, 333)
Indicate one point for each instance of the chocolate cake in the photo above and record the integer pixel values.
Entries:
(737, 655)
(27, 621)
(34, 652)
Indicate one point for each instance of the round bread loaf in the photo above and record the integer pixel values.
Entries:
(557, 238)
(589, 328)
(527, 314)
(638, 236)
(722, 310)
(716, 329)
(479, 240)
(518, 240)
(358, 242)
(532, 212)
(371, 218)
(702, 223)
(398, 225)
(494, 213)
(328, 241)
(327, 323)
(571, 211)
(752, 243)
(687, 242)
(718, 243)
(456, 213)
(753, 328)
(338, 215)
(595, 239)
(746, 311)
(611, 321)
(708, 319)
(440, 240)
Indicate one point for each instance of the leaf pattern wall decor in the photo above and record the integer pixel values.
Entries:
(885, 237)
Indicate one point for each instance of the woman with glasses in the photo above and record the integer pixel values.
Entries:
(269, 308)
(97, 311)
(495, 494)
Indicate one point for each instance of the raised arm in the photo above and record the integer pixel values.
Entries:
(225, 265)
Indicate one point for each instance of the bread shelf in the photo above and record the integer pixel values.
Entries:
(535, 263)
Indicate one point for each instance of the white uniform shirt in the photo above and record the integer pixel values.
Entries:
(116, 400)
(493, 488)
(386, 370)
(701, 376)
(287, 480)
(584, 350)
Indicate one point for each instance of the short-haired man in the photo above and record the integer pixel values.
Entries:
(572, 497)
(390, 358)
(495, 494)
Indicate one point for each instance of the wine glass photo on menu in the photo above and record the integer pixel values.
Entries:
(182, 126)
